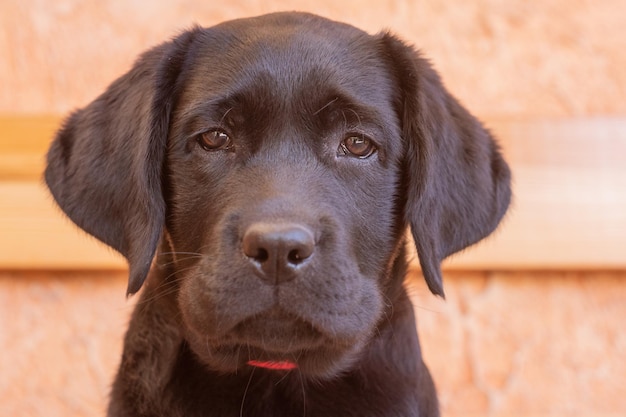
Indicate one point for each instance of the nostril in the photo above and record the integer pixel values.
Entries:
(302, 250)
(277, 249)
(261, 255)
(295, 257)
(253, 247)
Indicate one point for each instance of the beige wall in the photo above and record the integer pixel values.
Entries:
(501, 57)
(503, 344)
(523, 343)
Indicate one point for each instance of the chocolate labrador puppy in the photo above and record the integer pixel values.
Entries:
(259, 177)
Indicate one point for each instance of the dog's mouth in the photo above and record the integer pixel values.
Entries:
(274, 341)
(276, 332)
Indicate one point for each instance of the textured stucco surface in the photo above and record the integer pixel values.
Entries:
(502, 344)
(527, 344)
(60, 338)
(501, 57)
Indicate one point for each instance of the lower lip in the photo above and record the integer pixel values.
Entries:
(274, 365)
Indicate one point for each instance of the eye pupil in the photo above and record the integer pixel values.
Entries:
(358, 146)
(214, 140)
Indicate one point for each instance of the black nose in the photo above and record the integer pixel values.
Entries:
(277, 249)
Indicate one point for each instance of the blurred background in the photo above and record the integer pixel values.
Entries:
(534, 320)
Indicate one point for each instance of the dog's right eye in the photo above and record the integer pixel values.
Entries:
(357, 146)
(214, 140)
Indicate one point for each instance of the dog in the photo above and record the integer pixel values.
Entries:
(259, 177)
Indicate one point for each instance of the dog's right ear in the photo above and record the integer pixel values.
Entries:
(458, 185)
(105, 164)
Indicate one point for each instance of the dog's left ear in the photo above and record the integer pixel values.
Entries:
(105, 164)
(457, 183)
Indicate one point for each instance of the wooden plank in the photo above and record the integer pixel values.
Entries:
(569, 210)
(24, 141)
(36, 235)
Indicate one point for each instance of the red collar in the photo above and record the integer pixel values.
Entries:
(274, 365)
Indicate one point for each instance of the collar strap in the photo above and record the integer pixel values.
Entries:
(274, 365)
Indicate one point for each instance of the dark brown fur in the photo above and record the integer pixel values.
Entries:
(288, 90)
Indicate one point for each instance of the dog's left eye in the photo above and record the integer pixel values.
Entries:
(357, 146)
(214, 140)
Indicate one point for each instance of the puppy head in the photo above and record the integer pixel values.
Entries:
(282, 157)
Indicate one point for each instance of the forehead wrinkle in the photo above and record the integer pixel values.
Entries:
(290, 76)
(282, 60)
(348, 105)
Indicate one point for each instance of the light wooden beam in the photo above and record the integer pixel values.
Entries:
(569, 210)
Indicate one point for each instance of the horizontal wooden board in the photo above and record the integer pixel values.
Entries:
(569, 210)
(24, 141)
(36, 235)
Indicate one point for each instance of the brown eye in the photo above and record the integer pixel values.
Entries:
(357, 146)
(214, 140)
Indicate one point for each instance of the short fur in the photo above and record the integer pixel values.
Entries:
(285, 92)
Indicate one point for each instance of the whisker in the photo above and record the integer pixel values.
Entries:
(325, 106)
(144, 303)
(282, 379)
(237, 353)
(245, 393)
(345, 120)
(357, 116)
(178, 257)
(224, 115)
(303, 393)
(167, 287)
(180, 253)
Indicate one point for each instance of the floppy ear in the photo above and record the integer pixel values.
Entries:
(457, 183)
(105, 164)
